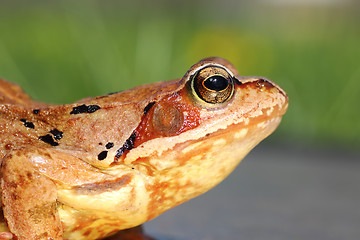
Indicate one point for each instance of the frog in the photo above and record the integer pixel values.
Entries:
(106, 164)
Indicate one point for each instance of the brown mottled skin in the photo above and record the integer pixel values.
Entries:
(92, 168)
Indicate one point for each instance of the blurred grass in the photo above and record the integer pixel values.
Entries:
(61, 51)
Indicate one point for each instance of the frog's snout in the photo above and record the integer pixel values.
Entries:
(264, 84)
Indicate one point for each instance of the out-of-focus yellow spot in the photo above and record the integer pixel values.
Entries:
(251, 54)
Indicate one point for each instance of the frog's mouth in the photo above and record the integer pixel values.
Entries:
(251, 131)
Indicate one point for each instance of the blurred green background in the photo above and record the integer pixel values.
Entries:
(61, 51)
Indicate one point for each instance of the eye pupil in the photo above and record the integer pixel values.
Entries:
(216, 83)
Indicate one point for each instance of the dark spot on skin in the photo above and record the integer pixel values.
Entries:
(109, 145)
(48, 139)
(36, 111)
(85, 109)
(148, 107)
(128, 145)
(57, 134)
(102, 155)
(27, 124)
(104, 186)
(100, 143)
(207, 135)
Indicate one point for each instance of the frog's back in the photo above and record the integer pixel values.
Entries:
(85, 124)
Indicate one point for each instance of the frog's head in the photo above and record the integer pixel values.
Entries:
(190, 139)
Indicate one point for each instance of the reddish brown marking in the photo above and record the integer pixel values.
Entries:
(8, 146)
(158, 195)
(85, 221)
(87, 232)
(146, 130)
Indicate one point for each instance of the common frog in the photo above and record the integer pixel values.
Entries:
(100, 165)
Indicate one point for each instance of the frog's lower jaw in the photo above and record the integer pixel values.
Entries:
(203, 164)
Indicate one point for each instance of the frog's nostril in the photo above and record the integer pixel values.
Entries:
(264, 84)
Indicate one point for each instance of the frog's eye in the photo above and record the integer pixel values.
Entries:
(212, 85)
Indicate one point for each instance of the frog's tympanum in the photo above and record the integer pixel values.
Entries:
(100, 165)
